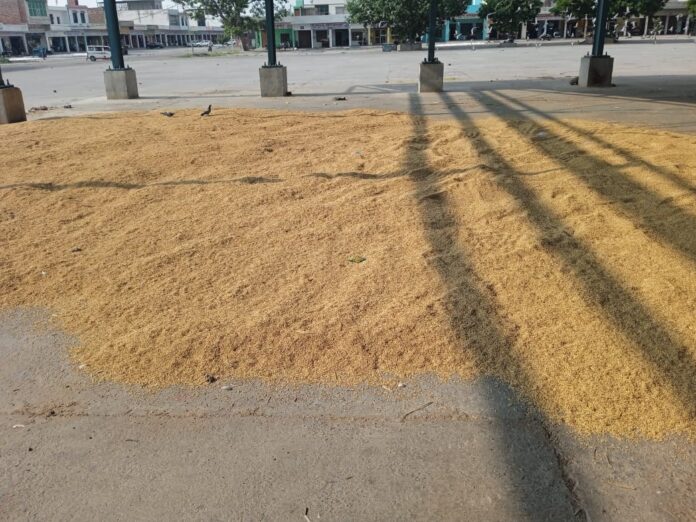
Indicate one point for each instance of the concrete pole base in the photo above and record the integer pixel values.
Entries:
(431, 77)
(11, 105)
(121, 84)
(274, 81)
(596, 71)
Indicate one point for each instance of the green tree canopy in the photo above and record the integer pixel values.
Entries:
(575, 8)
(507, 15)
(691, 6)
(581, 8)
(237, 16)
(646, 7)
(407, 18)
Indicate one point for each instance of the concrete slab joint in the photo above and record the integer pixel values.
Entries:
(274, 81)
(121, 84)
(596, 71)
(11, 105)
(431, 77)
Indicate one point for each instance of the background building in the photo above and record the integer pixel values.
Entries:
(28, 25)
(319, 24)
(23, 25)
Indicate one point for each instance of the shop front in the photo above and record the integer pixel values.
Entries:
(341, 37)
(57, 42)
(13, 44)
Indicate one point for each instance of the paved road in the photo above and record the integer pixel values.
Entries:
(165, 76)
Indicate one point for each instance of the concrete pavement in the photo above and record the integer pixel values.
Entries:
(654, 83)
(171, 78)
(78, 450)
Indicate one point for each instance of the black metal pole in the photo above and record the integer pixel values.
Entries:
(270, 34)
(114, 34)
(600, 30)
(2, 82)
(432, 17)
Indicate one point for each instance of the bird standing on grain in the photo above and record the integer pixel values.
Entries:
(207, 111)
(167, 114)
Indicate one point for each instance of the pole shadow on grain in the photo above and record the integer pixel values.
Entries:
(483, 334)
(630, 156)
(602, 290)
(609, 180)
(102, 184)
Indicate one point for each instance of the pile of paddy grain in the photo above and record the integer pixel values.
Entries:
(362, 247)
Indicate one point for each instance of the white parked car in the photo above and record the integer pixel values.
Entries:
(202, 43)
(98, 52)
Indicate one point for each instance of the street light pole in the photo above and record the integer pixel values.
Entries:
(11, 103)
(432, 70)
(270, 34)
(596, 69)
(120, 81)
(114, 34)
(432, 17)
(600, 31)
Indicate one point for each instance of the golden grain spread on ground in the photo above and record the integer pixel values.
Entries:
(365, 246)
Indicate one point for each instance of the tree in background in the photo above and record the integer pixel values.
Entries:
(408, 19)
(237, 16)
(587, 9)
(581, 10)
(647, 8)
(369, 12)
(506, 16)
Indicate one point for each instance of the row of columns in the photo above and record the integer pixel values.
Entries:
(134, 41)
(665, 29)
(332, 36)
(370, 37)
(24, 42)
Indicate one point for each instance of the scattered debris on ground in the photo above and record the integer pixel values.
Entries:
(356, 259)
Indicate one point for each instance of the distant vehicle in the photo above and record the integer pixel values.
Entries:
(154, 45)
(98, 52)
(202, 43)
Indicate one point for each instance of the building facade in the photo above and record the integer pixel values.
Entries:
(28, 25)
(23, 25)
(167, 27)
(316, 24)
(325, 23)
